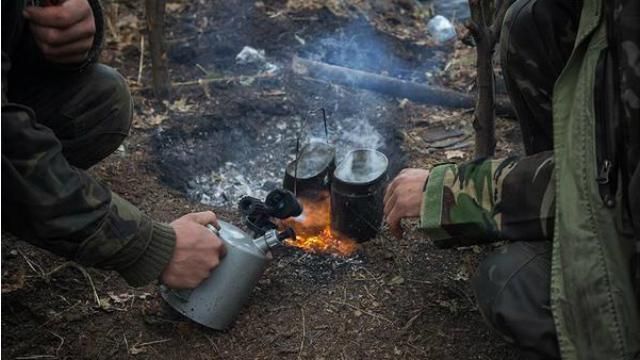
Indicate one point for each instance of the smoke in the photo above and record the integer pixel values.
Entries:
(360, 46)
(362, 166)
(236, 160)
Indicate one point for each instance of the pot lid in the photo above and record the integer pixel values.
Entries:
(313, 160)
(362, 166)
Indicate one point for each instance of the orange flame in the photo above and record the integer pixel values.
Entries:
(313, 229)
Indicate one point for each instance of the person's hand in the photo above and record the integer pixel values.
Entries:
(198, 251)
(403, 198)
(64, 32)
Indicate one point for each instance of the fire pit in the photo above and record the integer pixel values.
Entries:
(313, 229)
(218, 158)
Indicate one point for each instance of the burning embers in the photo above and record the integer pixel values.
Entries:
(313, 229)
(342, 205)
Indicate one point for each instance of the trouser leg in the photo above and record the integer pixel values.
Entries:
(89, 111)
(536, 42)
(512, 287)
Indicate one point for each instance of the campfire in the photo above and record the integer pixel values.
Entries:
(313, 229)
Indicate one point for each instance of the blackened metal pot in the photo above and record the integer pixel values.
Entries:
(316, 162)
(357, 191)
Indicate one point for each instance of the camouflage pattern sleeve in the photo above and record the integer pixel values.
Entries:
(490, 200)
(61, 208)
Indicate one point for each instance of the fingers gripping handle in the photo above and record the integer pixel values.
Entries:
(184, 294)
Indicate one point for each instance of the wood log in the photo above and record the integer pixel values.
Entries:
(155, 11)
(421, 93)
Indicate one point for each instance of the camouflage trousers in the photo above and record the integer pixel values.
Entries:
(512, 285)
(89, 111)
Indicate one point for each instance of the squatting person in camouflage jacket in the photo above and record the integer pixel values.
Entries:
(62, 113)
(566, 285)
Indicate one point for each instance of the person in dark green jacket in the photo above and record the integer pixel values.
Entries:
(62, 112)
(566, 284)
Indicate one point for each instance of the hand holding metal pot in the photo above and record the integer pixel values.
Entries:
(198, 251)
(403, 198)
(216, 301)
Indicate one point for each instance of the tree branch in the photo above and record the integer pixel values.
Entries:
(155, 10)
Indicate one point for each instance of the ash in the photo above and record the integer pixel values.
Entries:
(315, 268)
(257, 160)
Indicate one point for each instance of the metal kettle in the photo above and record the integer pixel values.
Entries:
(217, 301)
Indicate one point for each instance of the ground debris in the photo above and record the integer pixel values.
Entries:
(350, 307)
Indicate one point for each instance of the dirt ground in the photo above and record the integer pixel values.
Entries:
(396, 299)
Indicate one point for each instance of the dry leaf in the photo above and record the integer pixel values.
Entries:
(129, 21)
(135, 350)
(179, 105)
(454, 154)
(119, 299)
(175, 7)
(157, 119)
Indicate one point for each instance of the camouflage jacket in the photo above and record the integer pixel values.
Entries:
(584, 196)
(490, 200)
(59, 207)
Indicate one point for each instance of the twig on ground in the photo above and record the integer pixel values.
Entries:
(378, 280)
(141, 63)
(214, 346)
(366, 288)
(29, 357)
(413, 319)
(57, 315)
(61, 342)
(206, 81)
(126, 343)
(228, 79)
(84, 272)
(139, 345)
(32, 265)
(204, 71)
(304, 333)
(420, 281)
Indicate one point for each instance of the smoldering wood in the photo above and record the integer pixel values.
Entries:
(426, 94)
(155, 11)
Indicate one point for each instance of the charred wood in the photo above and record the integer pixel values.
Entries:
(420, 93)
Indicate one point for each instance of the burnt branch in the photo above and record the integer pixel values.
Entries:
(420, 93)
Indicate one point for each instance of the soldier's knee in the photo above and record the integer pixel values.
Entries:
(516, 31)
(102, 111)
(512, 291)
(112, 91)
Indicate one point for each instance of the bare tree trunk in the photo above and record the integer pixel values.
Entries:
(485, 29)
(155, 10)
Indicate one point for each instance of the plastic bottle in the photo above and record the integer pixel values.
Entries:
(441, 29)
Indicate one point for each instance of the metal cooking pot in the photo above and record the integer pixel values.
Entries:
(217, 301)
(316, 162)
(357, 191)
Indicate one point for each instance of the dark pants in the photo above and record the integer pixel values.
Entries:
(512, 285)
(89, 111)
